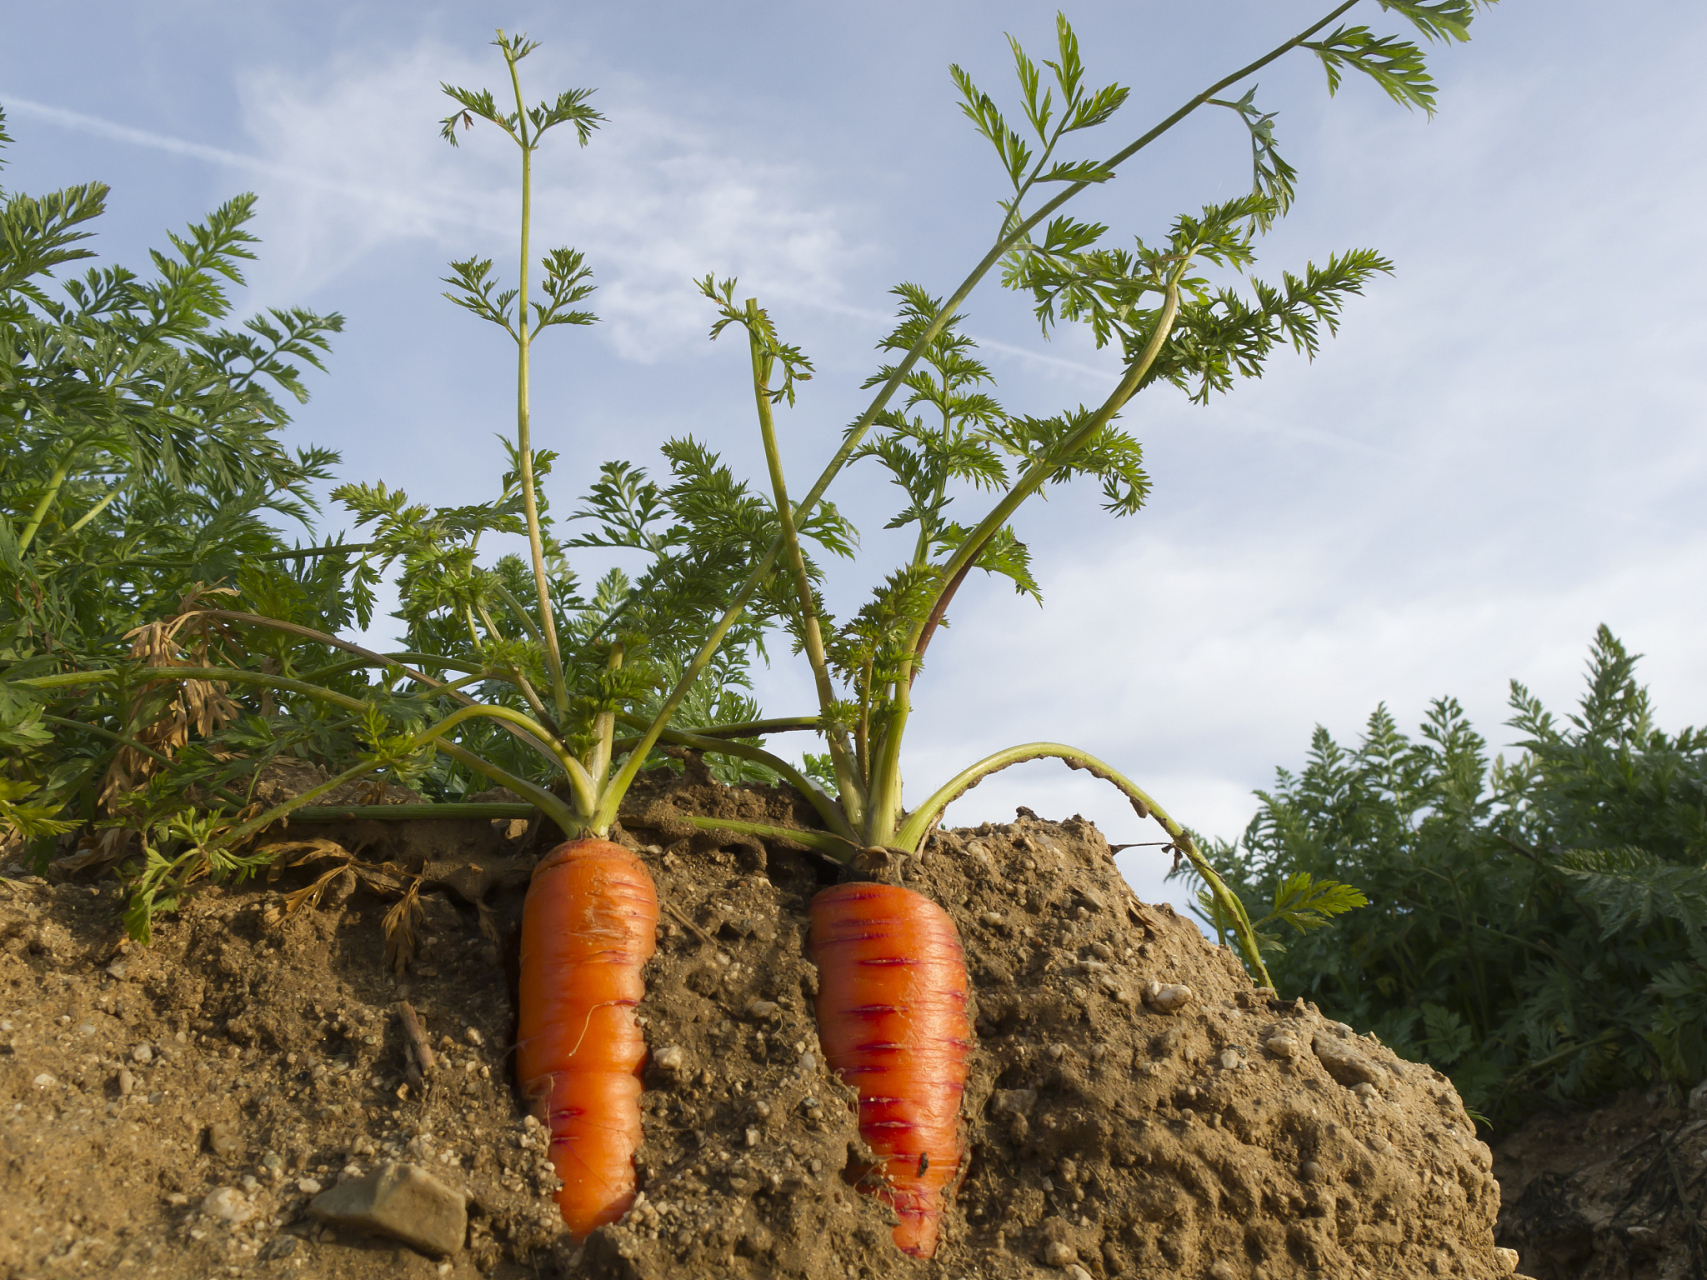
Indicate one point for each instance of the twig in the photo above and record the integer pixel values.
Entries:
(699, 933)
(417, 1036)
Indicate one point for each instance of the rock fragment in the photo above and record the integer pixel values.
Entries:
(1281, 1045)
(221, 1138)
(399, 1200)
(1343, 1063)
(1167, 997)
(1057, 1254)
(227, 1204)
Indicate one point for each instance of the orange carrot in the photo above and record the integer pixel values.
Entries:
(892, 1022)
(587, 928)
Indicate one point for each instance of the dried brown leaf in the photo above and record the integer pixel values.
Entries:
(400, 923)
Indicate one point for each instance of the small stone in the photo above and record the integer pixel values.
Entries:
(1076, 1272)
(1017, 1102)
(273, 1163)
(670, 1058)
(763, 1009)
(117, 970)
(1366, 1091)
(1310, 1171)
(992, 917)
(279, 1247)
(1102, 951)
(752, 1136)
(1167, 998)
(1056, 1052)
(1281, 1046)
(808, 1062)
(1349, 1068)
(308, 1186)
(1230, 1060)
(473, 1036)
(1223, 1270)
(1506, 1259)
(227, 1205)
(398, 1200)
(221, 1138)
(142, 1053)
(127, 1082)
(251, 1184)
(177, 1199)
(44, 1081)
(1057, 1254)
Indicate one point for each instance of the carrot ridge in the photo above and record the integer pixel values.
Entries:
(892, 995)
(587, 929)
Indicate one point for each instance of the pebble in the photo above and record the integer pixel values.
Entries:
(992, 917)
(670, 1058)
(763, 1009)
(127, 1082)
(1016, 1102)
(808, 1062)
(1282, 1046)
(117, 970)
(1102, 951)
(228, 1205)
(1349, 1068)
(1168, 998)
(1507, 1259)
(1076, 1272)
(1057, 1254)
(142, 1053)
(44, 1080)
(1230, 1060)
(308, 1186)
(403, 1201)
(752, 1136)
(473, 1036)
(1056, 1052)
(221, 1138)
(1223, 1270)
(1309, 1171)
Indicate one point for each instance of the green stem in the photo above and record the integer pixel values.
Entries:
(823, 841)
(826, 808)
(337, 549)
(543, 745)
(412, 812)
(524, 439)
(848, 782)
(134, 745)
(578, 779)
(918, 823)
(1006, 242)
(885, 805)
(55, 483)
(94, 511)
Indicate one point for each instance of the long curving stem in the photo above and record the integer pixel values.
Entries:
(918, 823)
(848, 782)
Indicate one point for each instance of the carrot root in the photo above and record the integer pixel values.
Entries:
(587, 929)
(892, 1021)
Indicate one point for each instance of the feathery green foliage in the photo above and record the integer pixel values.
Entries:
(1535, 925)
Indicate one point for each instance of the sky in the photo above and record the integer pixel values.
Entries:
(1502, 449)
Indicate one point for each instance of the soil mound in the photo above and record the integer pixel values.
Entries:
(1135, 1106)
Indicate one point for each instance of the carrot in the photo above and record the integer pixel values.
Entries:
(892, 1022)
(587, 928)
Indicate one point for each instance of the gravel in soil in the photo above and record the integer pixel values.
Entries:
(1134, 1108)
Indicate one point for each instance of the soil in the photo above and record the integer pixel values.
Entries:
(259, 1046)
(1609, 1194)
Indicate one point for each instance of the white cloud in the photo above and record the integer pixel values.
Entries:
(654, 201)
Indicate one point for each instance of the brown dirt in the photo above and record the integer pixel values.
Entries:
(1144, 1143)
(1610, 1194)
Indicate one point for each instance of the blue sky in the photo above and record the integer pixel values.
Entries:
(1502, 449)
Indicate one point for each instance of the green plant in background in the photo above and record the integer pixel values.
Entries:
(1537, 927)
(141, 458)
